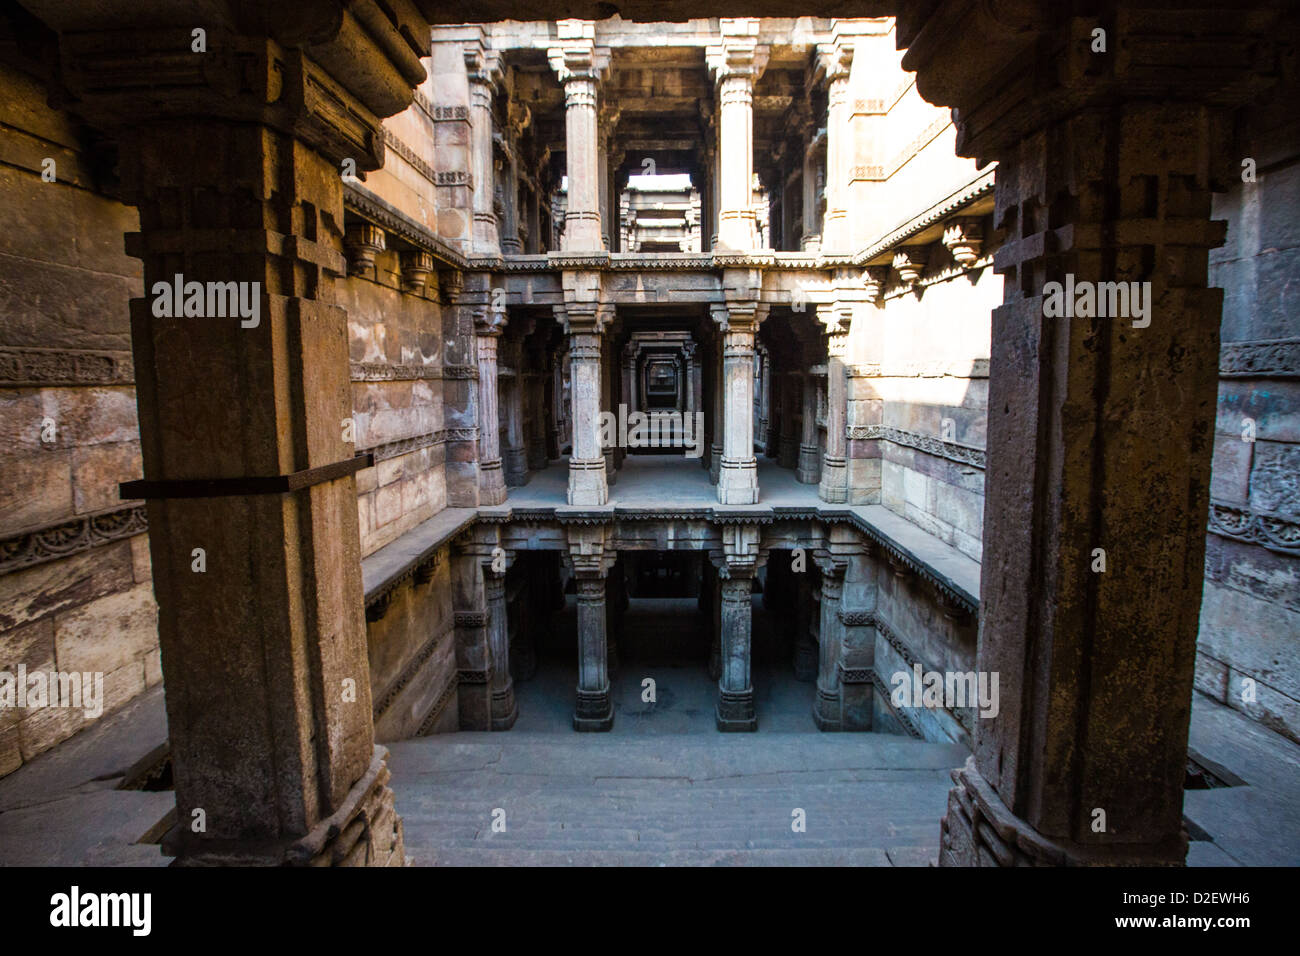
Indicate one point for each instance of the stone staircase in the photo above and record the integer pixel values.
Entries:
(671, 800)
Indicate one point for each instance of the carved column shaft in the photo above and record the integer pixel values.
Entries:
(826, 708)
(582, 229)
(735, 689)
(834, 483)
(587, 483)
(503, 707)
(595, 711)
(809, 469)
(481, 68)
(492, 484)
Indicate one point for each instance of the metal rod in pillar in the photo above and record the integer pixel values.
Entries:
(735, 690)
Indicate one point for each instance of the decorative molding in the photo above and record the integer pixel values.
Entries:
(1274, 359)
(360, 201)
(855, 675)
(35, 368)
(963, 715)
(962, 454)
(404, 446)
(979, 187)
(383, 372)
(71, 537)
(413, 159)
(408, 672)
(474, 677)
(1276, 532)
(446, 114)
(439, 706)
(471, 619)
(901, 716)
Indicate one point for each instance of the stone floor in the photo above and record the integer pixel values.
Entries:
(662, 788)
(644, 480)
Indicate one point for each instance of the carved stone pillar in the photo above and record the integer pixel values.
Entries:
(719, 314)
(764, 392)
(484, 72)
(459, 392)
(585, 323)
(514, 456)
(808, 621)
(235, 173)
(535, 424)
(629, 378)
(738, 476)
(736, 63)
(503, 708)
(836, 59)
(591, 563)
(791, 392)
(488, 326)
(809, 469)
(555, 420)
(834, 484)
(830, 634)
(579, 64)
(1100, 428)
(739, 562)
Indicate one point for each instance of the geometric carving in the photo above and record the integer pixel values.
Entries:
(70, 537)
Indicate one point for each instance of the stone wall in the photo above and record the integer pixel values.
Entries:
(75, 592)
(1249, 641)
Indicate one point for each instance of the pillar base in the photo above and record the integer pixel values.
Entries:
(491, 483)
(595, 712)
(587, 485)
(809, 467)
(979, 830)
(834, 485)
(736, 711)
(826, 711)
(715, 463)
(337, 840)
(738, 481)
(505, 710)
(516, 467)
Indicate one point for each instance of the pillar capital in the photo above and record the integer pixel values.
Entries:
(482, 64)
(738, 55)
(740, 555)
(834, 61)
(590, 552)
(577, 58)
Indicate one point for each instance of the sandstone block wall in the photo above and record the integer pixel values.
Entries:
(1249, 642)
(75, 587)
